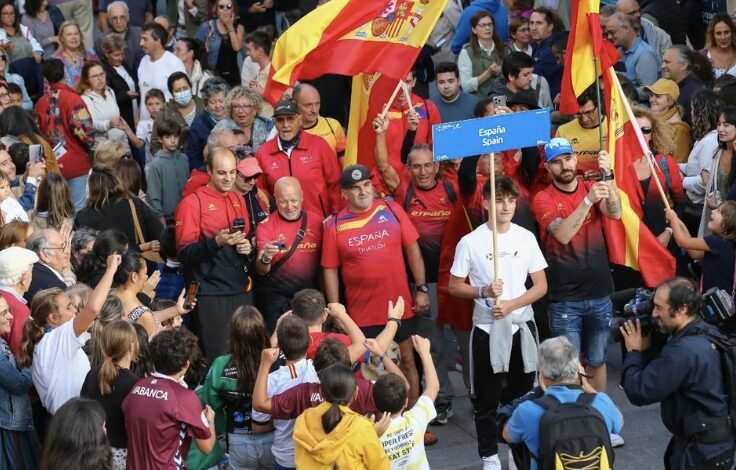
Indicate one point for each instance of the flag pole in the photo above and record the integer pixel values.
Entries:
(407, 95)
(599, 100)
(643, 143)
(492, 218)
(399, 87)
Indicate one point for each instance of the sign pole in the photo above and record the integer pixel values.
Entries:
(492, 217)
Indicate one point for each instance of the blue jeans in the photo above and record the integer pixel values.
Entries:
(78, 190)
(585, 324)
(250, 451)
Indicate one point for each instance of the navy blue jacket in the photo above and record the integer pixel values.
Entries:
(547, 66)
(685, 376)
(198, 133)
(43, 278)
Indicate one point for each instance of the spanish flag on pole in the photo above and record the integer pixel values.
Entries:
(584, 46)
(630, 243)
(349, 37)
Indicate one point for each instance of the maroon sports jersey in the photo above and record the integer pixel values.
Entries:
(161, 417)
(292, 402)
(369, 249)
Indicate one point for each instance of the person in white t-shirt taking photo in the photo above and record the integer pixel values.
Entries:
(503, 342)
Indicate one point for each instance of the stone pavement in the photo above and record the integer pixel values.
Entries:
(645, 436)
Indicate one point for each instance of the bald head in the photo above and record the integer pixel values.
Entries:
(308, 100)
(222, 169)
(288, 194)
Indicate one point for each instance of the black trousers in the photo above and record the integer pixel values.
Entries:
(213, 321)
(272, 305)
(492, 390)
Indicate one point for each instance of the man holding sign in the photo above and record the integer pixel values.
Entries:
(569, 213)
(504, 338)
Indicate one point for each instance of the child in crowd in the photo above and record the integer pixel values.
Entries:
(9, 205)
(16, 94)
(163, 304)
(293, 340)
(290, 403)
(403, 439)
(154, 101)
(334, 436)
(167, 174)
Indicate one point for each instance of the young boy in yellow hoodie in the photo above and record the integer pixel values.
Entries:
(332, 435)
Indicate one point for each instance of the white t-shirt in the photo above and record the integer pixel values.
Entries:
(59, 366)
(13, 210)
(279, 381)
(155, 75)
(144, 131)
(403, 440)
(519, 254)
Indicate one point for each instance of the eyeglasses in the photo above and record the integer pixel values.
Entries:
(248, 179)
(588, 113)
(62, 247)
(225, 6)
(98, 75)
(485, 25)
(646, 130)
(242, 107)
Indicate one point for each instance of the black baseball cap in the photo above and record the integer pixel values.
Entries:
(524, 97)
(286, 108)
(354, 174)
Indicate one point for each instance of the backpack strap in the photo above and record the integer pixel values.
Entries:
(299, 237)
(410, 193)
(547, 401)
(586, 399)
(451, 196)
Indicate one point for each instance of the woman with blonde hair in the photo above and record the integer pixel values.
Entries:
(663, 103)
(720, 44)
(72, 51)
(662, 144)
(111, 382)
(110, 151)
(243, 106)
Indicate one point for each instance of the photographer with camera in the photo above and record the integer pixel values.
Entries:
(685, 376)
(289, 242)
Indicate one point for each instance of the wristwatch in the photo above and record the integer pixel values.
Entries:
(398, 322)
(607, 176)
(423, 288)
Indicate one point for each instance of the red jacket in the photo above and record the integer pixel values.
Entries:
(313, 163)
(199, 218)
(64, 119)
(21, 313)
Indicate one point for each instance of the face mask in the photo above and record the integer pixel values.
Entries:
(183, 97)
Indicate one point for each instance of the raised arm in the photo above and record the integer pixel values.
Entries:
(87, 316)
(389, 176)
(357, 338)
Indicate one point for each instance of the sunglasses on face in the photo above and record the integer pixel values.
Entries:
(646, 130)
(225, 6)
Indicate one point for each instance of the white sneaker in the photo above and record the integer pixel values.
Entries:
(616, 440)
(512, 464)
(492, 463)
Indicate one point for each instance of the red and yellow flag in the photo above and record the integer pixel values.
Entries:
(584, 44)
(630, 243)
(349, 37)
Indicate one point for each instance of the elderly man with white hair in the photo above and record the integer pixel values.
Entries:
(53, 250)
(118, 22)
(16, 272)
(141, 12)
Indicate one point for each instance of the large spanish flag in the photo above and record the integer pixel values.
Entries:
(630, 243)
(584, 45)
(349, 37)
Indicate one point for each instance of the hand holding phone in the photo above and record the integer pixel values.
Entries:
(191, 295)
(238, 226)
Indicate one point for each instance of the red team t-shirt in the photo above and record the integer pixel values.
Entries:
(429, 210)
(290, 403)
(578, 270)
(369, 249)
(301, 269)
(319, 336)
(161, 417)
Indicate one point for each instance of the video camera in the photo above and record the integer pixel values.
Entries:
(632, 304)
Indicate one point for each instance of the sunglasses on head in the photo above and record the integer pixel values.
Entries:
(225, 6)
(646, 130)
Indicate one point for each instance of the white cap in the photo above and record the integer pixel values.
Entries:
(15, 261)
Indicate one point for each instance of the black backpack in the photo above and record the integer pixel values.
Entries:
(573, 435)
(726, 347)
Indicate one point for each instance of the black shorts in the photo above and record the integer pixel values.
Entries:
(408, 327)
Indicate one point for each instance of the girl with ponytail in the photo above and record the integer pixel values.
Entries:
(110, 383)
(332, 435)
(53, 338)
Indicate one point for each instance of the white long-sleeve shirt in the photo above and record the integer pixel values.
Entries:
(700, 159)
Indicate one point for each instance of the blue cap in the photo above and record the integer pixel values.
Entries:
(556, 147)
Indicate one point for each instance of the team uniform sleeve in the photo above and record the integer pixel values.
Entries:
(190, 412)
(263, 234)
(544, 210)
(332, 173)
(191, 249)
(330, 253)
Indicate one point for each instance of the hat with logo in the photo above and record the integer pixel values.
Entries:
(15, 261)
(285, 108)
(556, 147)
(664, 86)
(249, 167)
(354, 174)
